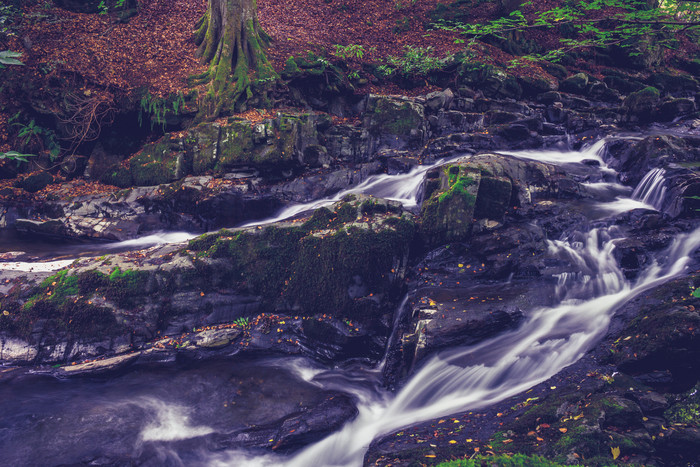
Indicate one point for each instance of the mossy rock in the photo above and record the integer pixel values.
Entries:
(343, 260)
(640, 105)
(36, 182)
(447, 212)
(575, 84)
(673, 82)
(393, 116)
(61, 307)
(117, 175)
(161, 162)
(271, 143)
(492, 81)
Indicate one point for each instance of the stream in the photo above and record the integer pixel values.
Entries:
(168, 415)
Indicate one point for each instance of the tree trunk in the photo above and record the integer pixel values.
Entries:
(231, 40)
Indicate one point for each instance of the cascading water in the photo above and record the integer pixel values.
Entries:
(551, 338)
(480, 375)
(476, 376)
(652, 188)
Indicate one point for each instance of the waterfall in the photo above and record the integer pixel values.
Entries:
(477, 376)
(652, 188)
(551, 338)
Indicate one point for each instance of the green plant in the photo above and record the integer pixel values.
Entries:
(158, 108)
(416, 61)
(384, 71)
(626, 23)
(8, 57)
(16, 156)
(103, 7)
(41, 138)
(349, 51)
(354, 74)
(241, 322)
(8, 18)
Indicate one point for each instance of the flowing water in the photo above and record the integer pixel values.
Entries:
(471, 377)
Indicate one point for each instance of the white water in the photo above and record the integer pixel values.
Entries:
(550, 339)
(474, 377)
(403, 188)
(652, 188)
(170, 422)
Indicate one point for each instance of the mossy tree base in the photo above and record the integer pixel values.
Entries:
(232, 42)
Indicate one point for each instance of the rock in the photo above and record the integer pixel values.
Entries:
(490, 80)
(100, 162)
(576, 84)
(299, 429)
(98, 367)
(36, 182)
(439, 100)
(675, 108)
(554, 69)
(640, 105)
(549, 97)
(680, 444)
(454, 194)
(448, 209)
(231, 275)
(673, 83)
(534, 86)
(651, 403)
(216, 338)
(453, 322)
(395, 123)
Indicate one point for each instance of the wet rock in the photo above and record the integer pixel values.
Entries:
(675, 108)
(299, 429)
(233, 274)
(454, 194)
(662, 341)
(99, 367)
(673, 83)
(216, 338)
(451, 323)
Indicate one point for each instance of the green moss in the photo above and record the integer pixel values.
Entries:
(687, 408)
(393, 117)
(126, 288)
(59, 302)
(312, 266)
(446, 216)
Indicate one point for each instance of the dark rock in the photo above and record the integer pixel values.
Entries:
(301, 429)
(576, 84)
(651, 403)
(673, 83)
(675, 108)
(439, 100)
(549, 97)
(639, 106)
(534, 86)
(36, 182)
(395, 123)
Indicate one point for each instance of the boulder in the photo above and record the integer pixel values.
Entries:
(576, 84)
(639, 106)
(395, 123)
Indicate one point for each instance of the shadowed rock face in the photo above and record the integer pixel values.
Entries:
(344, 263)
